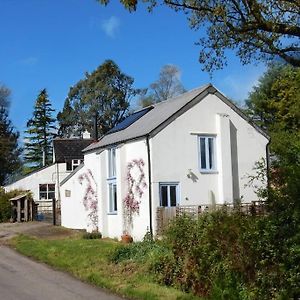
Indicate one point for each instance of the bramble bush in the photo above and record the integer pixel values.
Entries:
(230, 256)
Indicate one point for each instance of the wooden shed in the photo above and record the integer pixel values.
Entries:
(22, 208)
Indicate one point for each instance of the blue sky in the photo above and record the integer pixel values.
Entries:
(51, 44)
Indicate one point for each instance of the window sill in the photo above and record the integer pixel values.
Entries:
(112, 213)
(209, 172)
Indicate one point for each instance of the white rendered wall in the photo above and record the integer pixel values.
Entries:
(112, 224)
(46, 175)
(174, 151)
(74, 214)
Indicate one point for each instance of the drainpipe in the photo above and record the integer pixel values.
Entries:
(150, 185)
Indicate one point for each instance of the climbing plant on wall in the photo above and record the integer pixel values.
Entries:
(136, 184)
(90, 199)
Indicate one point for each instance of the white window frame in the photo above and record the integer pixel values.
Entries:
(112, 201)
(111, 163)
(47, 191)
(169, 184)
(112, 181)
(208, 154)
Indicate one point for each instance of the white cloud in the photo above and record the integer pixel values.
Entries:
(238, 86)
(111, 26)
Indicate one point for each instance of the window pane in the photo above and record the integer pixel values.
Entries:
(202, 153)
(43, 187)
(115, 197)
(113, 156)
(164, 195)
(211, 153)
(51, 195)
(51, 187)
(43, 195)
(69, 165)
(112, 162)
(173, 201)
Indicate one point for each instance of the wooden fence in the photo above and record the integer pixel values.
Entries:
(165, 214)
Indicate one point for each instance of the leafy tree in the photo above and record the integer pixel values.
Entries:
(275, 104)
(106, 92)
(40, 130)
(256, 29)
(167, 86)
(9, 149)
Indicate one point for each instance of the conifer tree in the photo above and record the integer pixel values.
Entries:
(9, 149)
(41, 130)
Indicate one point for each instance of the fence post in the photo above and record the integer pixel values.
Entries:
(54, 211)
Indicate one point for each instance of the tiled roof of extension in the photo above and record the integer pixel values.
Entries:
(66, 149)
(160, 115)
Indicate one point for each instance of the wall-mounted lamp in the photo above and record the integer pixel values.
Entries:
(190, 173)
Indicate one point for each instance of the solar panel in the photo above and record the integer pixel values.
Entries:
(130, 120)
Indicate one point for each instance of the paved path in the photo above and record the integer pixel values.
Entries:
(24, 279)
(9, 230)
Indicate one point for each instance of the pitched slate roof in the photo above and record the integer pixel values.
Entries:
(66, 149)
(161, 115)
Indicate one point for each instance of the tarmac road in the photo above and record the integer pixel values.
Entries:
(24, 279)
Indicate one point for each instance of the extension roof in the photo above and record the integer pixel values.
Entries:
(66, 149)
(150, 120)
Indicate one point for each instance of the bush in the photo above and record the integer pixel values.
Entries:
(229, 256)
(92, 235)
(138, 251)
(5, 207)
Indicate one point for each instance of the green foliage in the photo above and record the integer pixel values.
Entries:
(105, 92)
(5, 207)
(255, 29)
(40, 132)
(92, 235)
(139, 251)
(230, 256)
(89, 260)
(9, 149)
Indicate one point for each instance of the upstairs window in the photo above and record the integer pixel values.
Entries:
(73, 164)
(47, 191)
(112, 182)
(207, 156)
(112, 163)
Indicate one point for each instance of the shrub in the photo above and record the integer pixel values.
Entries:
(138, 251)
(229, 256)
(5, 207)
(92, 235)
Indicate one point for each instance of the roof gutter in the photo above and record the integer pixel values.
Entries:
(149, 185)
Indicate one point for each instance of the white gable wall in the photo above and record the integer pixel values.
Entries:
(174, 151)
(46, 175)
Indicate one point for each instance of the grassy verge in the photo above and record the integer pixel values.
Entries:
(89, 261)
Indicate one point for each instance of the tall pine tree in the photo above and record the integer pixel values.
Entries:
(9, 149)
(40, 129)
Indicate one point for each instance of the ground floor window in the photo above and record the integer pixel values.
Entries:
(112, 190)
(169, 194)
(47, 191)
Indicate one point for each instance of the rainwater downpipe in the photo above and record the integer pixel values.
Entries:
(150, 185)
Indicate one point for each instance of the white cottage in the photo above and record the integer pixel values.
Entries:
(195, 149)
(44, 183)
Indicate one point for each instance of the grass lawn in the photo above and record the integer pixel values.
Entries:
(89, 261)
